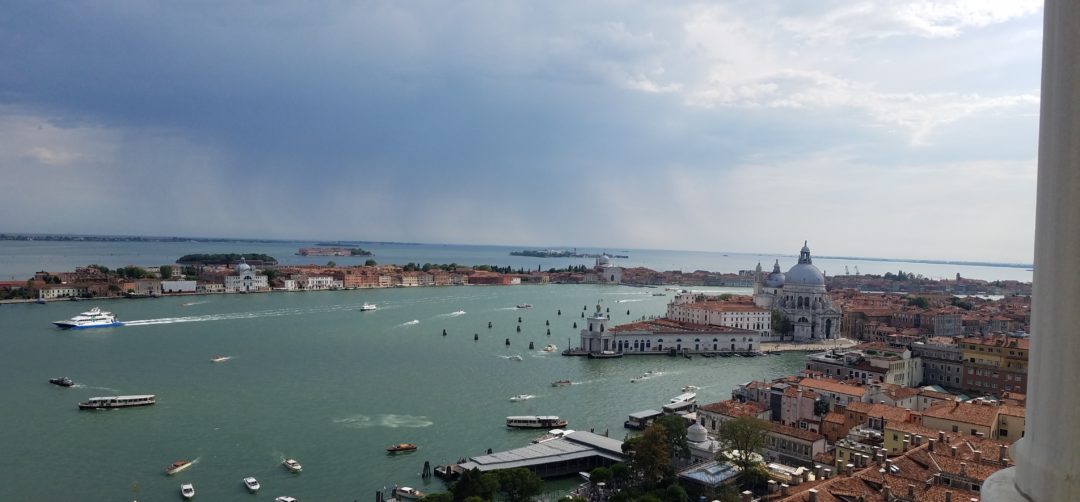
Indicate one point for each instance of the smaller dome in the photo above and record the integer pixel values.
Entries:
(603, 260)
(697, 433)
(776, 278)
(243, 266)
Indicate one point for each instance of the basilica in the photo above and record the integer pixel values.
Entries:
(801, 297)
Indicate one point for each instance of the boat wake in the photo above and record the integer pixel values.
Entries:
(452, 314)
(84, 386)
(387, 420)
(409, 323)
(241, 315)
(631, 300)
(191, 304)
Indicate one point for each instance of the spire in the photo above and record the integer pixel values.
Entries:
(804, 255)
(776, 266)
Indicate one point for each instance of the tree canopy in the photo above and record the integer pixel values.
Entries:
(650, 455)
(741, 438)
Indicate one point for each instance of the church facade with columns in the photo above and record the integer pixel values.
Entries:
(801, 297)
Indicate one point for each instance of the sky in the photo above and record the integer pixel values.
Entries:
(903, 129)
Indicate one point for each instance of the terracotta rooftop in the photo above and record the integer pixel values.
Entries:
(834, 386)
(883, 411)
(803, 434)
(733, 408)
(968, 413)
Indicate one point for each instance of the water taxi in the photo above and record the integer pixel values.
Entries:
(62, 381)
(690, 388)
(292, 465)
(187, 490)
(177, 466)
(535, 422)
(688, 397)
(524, 306)
(561, 383)
(219, 359)
(522, 397)
(93, 318)
(404, 492)
(100, 403)
(401, 447)
(550, 348)
(367, 306)
(251, 484)
(285, 499)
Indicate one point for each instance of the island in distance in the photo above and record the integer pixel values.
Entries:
(560, 253)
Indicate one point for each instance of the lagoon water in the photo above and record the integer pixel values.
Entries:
(312, 377)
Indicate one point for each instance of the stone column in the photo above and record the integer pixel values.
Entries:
(1048, 464)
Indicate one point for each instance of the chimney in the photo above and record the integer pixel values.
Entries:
(963, 468)
(783, 490)
(817, 472)
(828, 472)
(748, 496)
(980, 434)
(930, 444)
(773, 486)
(978, 456)
(940, 436)
(813, 494)
(1003, 453)
(911, 491)
(849, 469)
(948, 496)
(952, 451)
(918, 440)
(886, 493)
(907, 444)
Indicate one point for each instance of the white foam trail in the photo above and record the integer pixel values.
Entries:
(390, 420)
(240, 315)
(409, 323)
(631, 301)
(453, 314)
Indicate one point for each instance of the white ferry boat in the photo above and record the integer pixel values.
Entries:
(93, 318)
(688, 397)
(105, 403)
(535, 422)
(368, 306)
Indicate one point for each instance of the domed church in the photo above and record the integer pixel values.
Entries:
(800, 295)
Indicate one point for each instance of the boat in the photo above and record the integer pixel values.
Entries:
(605, 354)
(659, 294)
(109, 402)
(251, 484)
(690, 388)
(522, 397)
(219, 359)
(292, 465)
(62, 381)
(550, 348)
(405, 492)
(642, 419)
(401, 447)
(516, 357)
(688, 397)
(187, 490)
(552, 434)
(561, 383)
(585, 476)
(368, 306)
(524, 306)
(177, 466)
(93, 318)
(285, 499)
(535, 422)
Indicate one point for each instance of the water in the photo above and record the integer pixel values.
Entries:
(20, 259)
(313, 378)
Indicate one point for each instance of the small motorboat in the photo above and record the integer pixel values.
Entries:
(177, 466)
(524, 306)
(292, 465)
(368, 306)
(219, 359)
(187, 490)
(401, 447)
(405, 492)
(516, 357)
(522, 397)
(285, 499)
(561, 383)
(690, 388)
(251, 484)
(62, 381)
(550, 348)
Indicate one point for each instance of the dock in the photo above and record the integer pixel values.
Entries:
(576, 452)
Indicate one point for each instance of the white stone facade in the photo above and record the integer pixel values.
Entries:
(246, 280)
(801, 296)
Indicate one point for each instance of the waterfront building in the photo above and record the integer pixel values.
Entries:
(800, 296)
(178, 286)
(697, 309)
(246, 280)
(61, 291)
(209, 287)
(662, 336)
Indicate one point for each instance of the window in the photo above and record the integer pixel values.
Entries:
(955, 429)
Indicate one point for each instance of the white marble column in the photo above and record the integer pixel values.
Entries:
(1048, 460)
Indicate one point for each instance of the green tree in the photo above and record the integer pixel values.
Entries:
(919, 301)
(600, 475)
(754, 478)
(675, 427)
(474, 483)
(331, 263)
(821, 407)
(370, 263)
(781, 324)
(675, 493)
(725, 297)
(437, 497)
(426, 267)
(165, 271)
(741, 438)
(650, 456)
(519, 485)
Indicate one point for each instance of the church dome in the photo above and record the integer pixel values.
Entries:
(243, 266)
(604, 260)
(697, 433)
(805, 274)
(776, 278)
